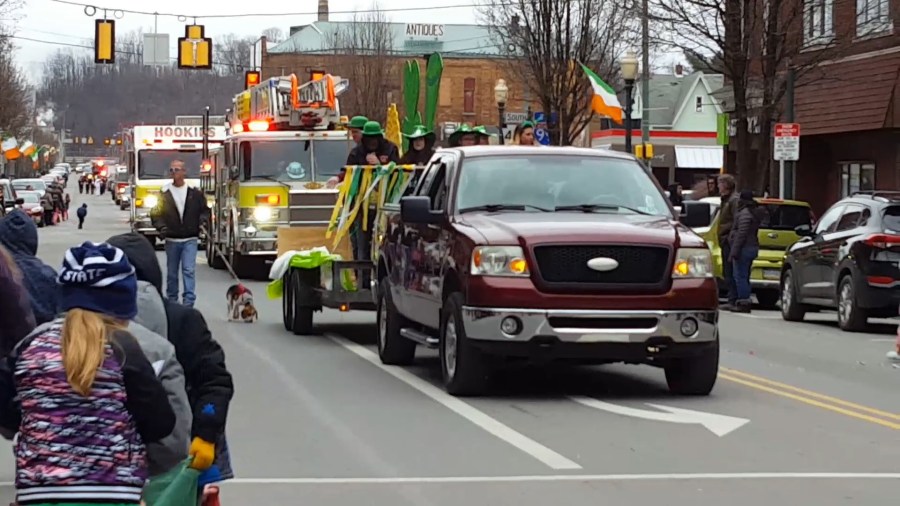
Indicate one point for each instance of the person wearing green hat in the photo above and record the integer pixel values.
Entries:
(355, 126)
(373, 149)
(483, 137)
(421, 146)
(463, 136)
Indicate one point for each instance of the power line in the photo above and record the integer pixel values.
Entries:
(183, 17)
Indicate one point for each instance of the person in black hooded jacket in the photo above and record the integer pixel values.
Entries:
(209, 384)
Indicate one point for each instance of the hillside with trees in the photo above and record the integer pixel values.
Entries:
(100, 100)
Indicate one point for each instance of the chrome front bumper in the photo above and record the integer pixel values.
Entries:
(587, 326)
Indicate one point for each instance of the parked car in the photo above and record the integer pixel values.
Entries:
(38, 185)
(544, 254)
(776, 233)
(8, 194)
(849, 262)
(125, 198)
(30, 202)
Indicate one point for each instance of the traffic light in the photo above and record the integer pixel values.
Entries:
(194, 50)
(644, 151)
(105, 41)
(119, 141)
(90, 140)
(251, 78)
(106, 141)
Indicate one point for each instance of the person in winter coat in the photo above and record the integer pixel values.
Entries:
(463, 136)
(675, 195)
(66, 203)
(81, 394)
(208, 382)
(421, 146)
(727, 186)
(744, 247)
(164, 455)
(14, 301)
(82, 214)
(524, 134)
(19, 235)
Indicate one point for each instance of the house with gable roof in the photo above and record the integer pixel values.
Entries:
(683, 120)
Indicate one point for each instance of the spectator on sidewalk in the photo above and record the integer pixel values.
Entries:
(19, 235)
(744, 247)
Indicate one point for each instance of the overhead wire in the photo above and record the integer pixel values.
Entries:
(183, 16)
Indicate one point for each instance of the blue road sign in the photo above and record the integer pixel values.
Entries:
(539, 117)
(542, 136)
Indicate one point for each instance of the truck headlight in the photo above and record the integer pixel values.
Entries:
(262, 214)
(151, 201)
(692, 263)
(499, 261)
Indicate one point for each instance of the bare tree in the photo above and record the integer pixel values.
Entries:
(274, 34)
(233, 53)
(127, 93)
(362, 51)
(756, 45)
(545, 40)
(15, 113)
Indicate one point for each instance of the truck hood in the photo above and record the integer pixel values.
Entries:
(575, 227)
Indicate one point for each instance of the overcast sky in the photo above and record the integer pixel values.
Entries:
(57, 22)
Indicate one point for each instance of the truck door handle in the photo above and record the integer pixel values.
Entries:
(772, 235)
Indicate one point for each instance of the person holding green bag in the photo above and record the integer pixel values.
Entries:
(81, 395)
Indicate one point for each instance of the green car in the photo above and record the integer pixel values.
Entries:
(776, 234)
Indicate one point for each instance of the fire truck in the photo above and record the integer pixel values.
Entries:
(284, 142)
(150, 150)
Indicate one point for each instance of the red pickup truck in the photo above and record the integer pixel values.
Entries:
(539, 254)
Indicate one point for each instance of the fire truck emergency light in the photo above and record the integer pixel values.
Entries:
(105, 41)
(251, 78)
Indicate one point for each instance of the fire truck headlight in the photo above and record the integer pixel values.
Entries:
(262, 214)
(151, 201)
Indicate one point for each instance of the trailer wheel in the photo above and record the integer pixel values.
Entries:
(287, 302)
(303, 308)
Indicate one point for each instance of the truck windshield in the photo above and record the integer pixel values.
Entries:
(562, 183)
(287, 160)
(154, 163)
(330, 157)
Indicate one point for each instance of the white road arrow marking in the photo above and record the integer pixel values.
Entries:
(719, 425)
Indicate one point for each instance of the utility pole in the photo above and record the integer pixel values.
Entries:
(645, 74)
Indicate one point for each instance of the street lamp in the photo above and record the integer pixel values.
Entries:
(501, 93)
(629, 67)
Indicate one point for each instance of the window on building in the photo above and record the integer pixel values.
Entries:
(872, 16)
(818, 21)
(857, 177)
(699, 104)
(469, 95)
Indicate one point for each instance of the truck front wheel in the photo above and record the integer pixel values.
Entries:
(303, 310)
(462, 366)
(694, 375)
(393, 349)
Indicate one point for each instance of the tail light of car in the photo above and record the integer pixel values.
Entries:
(882, 241)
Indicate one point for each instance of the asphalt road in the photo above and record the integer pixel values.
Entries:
(802, 414)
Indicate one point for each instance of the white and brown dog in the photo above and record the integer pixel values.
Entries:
(240, 304)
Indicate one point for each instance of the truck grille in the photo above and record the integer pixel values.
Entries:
(638, 265)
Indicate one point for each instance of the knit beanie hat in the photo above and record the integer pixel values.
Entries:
(99, 278)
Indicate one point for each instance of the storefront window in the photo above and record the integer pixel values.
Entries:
(857, 177)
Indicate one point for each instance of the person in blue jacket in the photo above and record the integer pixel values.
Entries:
(19, 235)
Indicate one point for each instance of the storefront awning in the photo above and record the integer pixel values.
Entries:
(699, 157)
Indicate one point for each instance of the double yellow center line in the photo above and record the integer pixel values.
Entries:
(847, 408)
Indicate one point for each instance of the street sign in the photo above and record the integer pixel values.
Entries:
(787, 142)
(508, 135)
(540, 117)
(514, 118)
(542, 136)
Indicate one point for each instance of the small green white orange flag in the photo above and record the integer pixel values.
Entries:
(605, 102)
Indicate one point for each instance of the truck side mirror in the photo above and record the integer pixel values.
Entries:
(417, 209)
(234, 173)
(695, 214)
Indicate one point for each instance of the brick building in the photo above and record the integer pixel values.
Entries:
(472, 65)
(849, 107)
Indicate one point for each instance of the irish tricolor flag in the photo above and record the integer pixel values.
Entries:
(605, 102)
